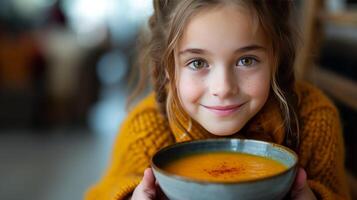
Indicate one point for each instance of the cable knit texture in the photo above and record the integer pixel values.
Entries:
(145, 131)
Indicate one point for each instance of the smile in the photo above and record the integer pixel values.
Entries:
(223, 110)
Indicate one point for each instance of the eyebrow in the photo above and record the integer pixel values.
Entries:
(253, 47)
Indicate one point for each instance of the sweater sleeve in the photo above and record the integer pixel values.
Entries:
(322, 150)
(139, 138)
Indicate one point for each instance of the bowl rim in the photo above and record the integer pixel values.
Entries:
(187, 179)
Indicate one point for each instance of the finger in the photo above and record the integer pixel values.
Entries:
(148, 183)
(148, 179)
(300, 181)
(146, 190)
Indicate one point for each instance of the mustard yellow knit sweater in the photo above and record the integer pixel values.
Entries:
(145, 131)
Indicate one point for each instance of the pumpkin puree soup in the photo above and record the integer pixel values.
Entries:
(224, 167)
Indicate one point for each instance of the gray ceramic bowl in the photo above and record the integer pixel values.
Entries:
(181, 188)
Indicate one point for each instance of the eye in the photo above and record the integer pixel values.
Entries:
(247, 61)
(197, 64)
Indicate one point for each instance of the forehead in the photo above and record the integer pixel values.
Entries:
(225, 26)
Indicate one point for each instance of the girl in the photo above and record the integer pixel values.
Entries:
(224, 68)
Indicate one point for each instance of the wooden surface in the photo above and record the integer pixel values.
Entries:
(311, 31)
(348, 18)
(335, 85)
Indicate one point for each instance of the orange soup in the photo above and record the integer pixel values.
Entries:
(224, 167)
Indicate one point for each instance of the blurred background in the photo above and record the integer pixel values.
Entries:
(64, 72)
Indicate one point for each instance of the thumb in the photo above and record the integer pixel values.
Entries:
(148, 181)
(299, 183)
(300, 189)
(300, 180)
(146, 190)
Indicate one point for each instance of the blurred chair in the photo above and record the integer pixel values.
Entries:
(316, 17)
(339, 87)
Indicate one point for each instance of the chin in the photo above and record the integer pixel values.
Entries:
(223, 131)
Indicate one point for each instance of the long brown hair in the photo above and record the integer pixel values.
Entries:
(166, 25)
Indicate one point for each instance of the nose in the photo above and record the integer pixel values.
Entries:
(223, 83)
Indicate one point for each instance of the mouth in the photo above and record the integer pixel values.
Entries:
(223, 110)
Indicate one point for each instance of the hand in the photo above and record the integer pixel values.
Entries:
(148, 189)
(300, 189)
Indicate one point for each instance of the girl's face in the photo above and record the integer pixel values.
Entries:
(223, 69)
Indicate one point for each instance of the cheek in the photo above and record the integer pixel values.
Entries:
(258, 86)
(190, 88)
(262, 94)
(262, 88)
